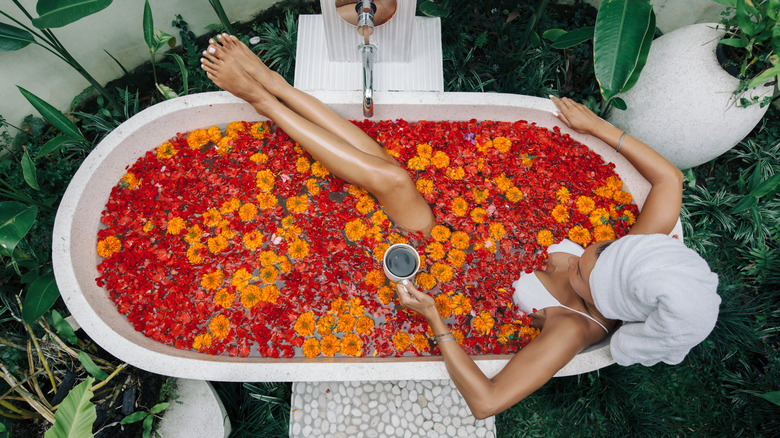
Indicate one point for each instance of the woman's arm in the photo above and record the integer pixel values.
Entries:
(526, 372)
(662, 207)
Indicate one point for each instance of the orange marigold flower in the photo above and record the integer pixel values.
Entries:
(401, 341)
(302, 165)
(483, 323)
(269, 293)
(284, 264)
(230, 206)
(443, 305)
(460, 240)
(560, 213)
(420, 342)
(212, 280)
(526, 160)
(346, 323)
(460, 207)
(479, 215)
(365, 204)
(503, 183)
(351, 345)
(425, 280)
(252, 239)
(385, 294)
(326, 324)
(504, 332)
(201, 341)
(579, 235)
(461, 305)
(599, 216)
(487, 244)
(165, 150)
(375, 278)
(339, 306)
(265, 180)
(441, 233)
(240, 279)
(356, 191)
(223, 298)
(458, 333)
(217, 244)
(622, 197)
(355, 229)
(394, 238)
(418, 163)
(259, 129)
(604, 192)
(533, 332)
(364, 325)
(563, 195)
(456, 174)
(379, 251)
(298, 249)
(513, 194)
(219, 326)
(197, 139)
(456, 258)
(268, 274)
(130, 181)
(585, 204)
(250, 296)
(312, 186)
(480, 196)
(108, 246)
(497, 230)
(435, 251)
(502, 144)
(629, 217)
(319, 170)
(266, 200)
(614, 183)
(378, 218)
(483, 143)
(424, 186)
(356, 306)
(212, 217)
(330, 345)
(441, 271)
(224, 145)
(214, 134)
(545, 237)
(267, 258)
(258, 158)
(234, 128)
(603, 232)
(194, 253)
(305, 324)
(440, 160)
(247, 212)
(311, 347)
(297, 204)
(424, 150)
(148, 226)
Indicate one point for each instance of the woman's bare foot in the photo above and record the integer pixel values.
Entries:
(253, 65)
(228, 75)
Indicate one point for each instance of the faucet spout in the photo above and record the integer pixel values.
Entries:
(367, 52)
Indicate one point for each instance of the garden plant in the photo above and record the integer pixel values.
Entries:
(54, 374)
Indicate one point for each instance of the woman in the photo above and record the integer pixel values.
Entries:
(581, 296)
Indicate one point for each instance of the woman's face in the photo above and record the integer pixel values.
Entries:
(580, 269)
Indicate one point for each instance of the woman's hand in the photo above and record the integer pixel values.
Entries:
(577, 116)
(411, 297)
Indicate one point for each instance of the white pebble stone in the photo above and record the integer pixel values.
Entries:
(382, 397)
(447, 420)
(470, 428)
(350, 392)
(427, 383)
(347, 410)
(406, 405)
(389, 386)
(447, 402)
(351, 430)
(333, 428)
(418, 420)
(337, 397)
(436, 418)
(416, 410)
(323, 414)
(395, 390)
(340, 435)
(356, 383)
(406, 434)
(317, 421)
(325, 426)
(375, 395)
(371, 404)
(365, 418)
(364, 399)
(409, 416)
(413, 395)
(314, 404)
(481, 432)
(395, 420)
(428, 394)
(356, 412)
(358, 391)
(438, 401)
(427, 425)
(307, 419)
(306, 431)
(426, 413)
(436, 390)
(331, 415)
(451, 431)
(397, 400)
(438, 427)
(401, 383)
(390, 430)
(372, 434)
(342, 390)
(422, 401)
(315, 392)
(456, 421)
(374, 422)
(297, 403)
(298, 415)
(300, 388)
(459, 411)
(462, 433)
(386, 417)
(296, 429)
(455, 396)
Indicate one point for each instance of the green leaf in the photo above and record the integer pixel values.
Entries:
(16, 219)
(746, 25)
(553, 34)
(148, 426)
(766, 187)
(184, 73)
(148, 23)
(54, 145)
(75, 415)
(432, 9)
(58, 13)
(29, 172)
(41, 295)
(734, 42)
(766, 76)
(773, 396)
(161, 38)
(63, 327)
(166, 91)
(731, 3)
(13, 38)
(773, 9)
(52, 115)
(619, 103)
(134, 417)
(755, 178)
(621, 26)
(159, 407)
(571, 39)
(746, 203)
(643, 52)
(90, 366)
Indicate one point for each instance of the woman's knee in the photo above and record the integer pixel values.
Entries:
(391, 179)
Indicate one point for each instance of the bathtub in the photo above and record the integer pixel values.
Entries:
(78, 220)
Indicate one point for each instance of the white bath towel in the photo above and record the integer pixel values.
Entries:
(663, 291)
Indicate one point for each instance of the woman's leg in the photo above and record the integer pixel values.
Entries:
(387, 181)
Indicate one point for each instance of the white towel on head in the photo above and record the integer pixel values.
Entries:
(663, 291)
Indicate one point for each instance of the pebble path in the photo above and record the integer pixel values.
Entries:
(406, 408)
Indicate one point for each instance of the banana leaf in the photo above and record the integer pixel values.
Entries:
(58, 13)
(13, 38)
(76, 414)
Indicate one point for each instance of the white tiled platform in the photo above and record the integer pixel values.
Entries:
(406, 408)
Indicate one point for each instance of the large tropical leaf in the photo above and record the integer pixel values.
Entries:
(16, 219)
(29, 172)
(42, 294)
(643, 52)
(13, 38)
(148, 26)
(58, 13)
(52, 115)
(76, 414)
(571, 39)
(621, 26)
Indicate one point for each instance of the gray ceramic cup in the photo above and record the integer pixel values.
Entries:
(401, 262)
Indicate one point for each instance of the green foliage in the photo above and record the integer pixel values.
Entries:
(433, 9)
(59, 13)
(156, 40)
(64, 330)
(278, 45)
(223, 18)
(16, 219)
(259, 409)
(41, 295)
(146, 417)
(75, 415)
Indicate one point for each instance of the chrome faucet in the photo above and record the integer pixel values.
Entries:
(365, 10)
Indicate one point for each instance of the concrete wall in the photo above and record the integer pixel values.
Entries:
(117, 28)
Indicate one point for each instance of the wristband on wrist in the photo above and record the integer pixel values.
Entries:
(450, 338)
(435, 337)
(620, 142)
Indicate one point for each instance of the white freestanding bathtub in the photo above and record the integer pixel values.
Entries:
(78, 220)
